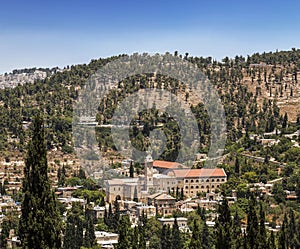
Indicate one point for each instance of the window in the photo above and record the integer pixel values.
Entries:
(192, 186)
(202, 186)
(212, 186)
(197, 186)
(218, 180)
(197, 180)
(192, 180)
(207, 180)
(186, 181)
(212, 180)
(222, 180)
(186, 187)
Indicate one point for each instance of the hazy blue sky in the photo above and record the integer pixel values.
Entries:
(51, 33)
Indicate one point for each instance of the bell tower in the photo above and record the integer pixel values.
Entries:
(148, 171)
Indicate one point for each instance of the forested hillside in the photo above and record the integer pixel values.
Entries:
(252, 89)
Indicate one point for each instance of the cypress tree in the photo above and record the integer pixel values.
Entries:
(110, 217)
(135, 238)
(73, 238)
(237, 235)
(116, 215)
(252, 224)
(165, 237)
(168, 236)
(293, 239)
(205, 237)
(40, 222)
(221, 242)
(63, 175)
(131, 170)
(262, 229)
(176, 237)
(196, 236)
(81, 174)
(135, 195)
(142, 237)
(163, 243)
(102, 202)
(4, 233)
(271, 241)
(237, 166)
(182, 194)
(123, 230)
(223, 227)
(89, 239)
(282, 238)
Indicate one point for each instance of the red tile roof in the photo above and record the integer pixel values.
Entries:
(192, 173)
(167, 165)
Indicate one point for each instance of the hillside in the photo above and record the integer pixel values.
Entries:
(256, 93)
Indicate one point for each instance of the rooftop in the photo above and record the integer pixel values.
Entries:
(167, 165)
(204, 172)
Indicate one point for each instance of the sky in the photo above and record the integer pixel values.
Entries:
(60, 33)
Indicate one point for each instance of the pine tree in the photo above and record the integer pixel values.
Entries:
(40, 222)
